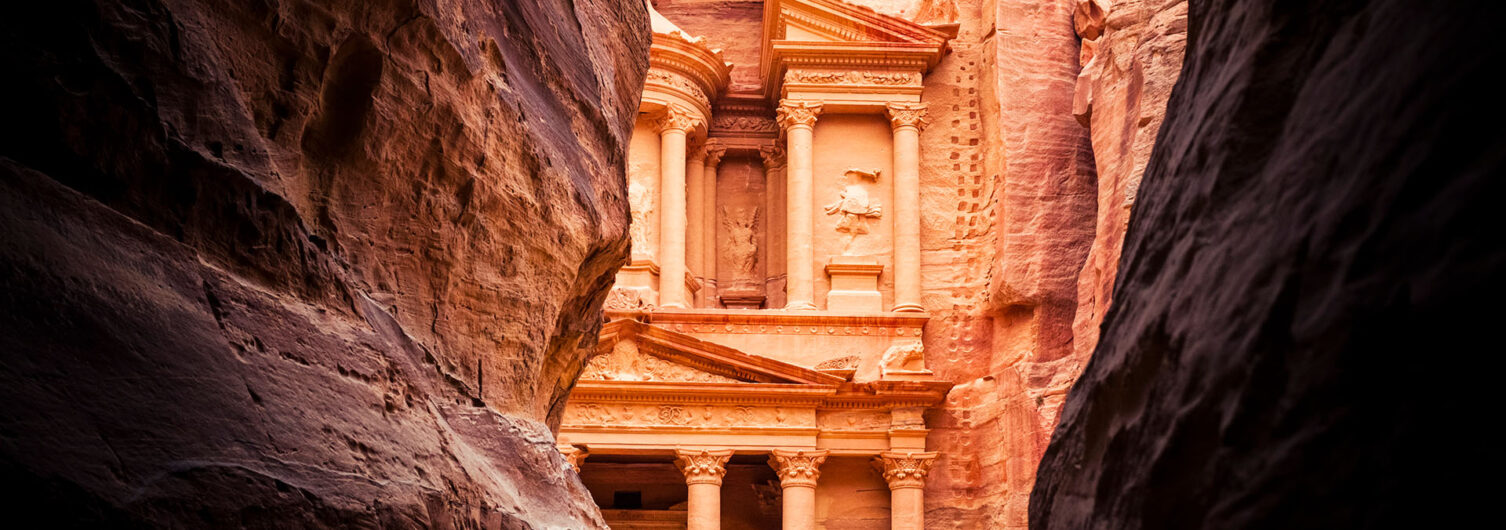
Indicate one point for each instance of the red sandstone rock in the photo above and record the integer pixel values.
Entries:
(262, 261)
(1131, 54)
(1297, 337)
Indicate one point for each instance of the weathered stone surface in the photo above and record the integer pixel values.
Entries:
(1131, 55)
(1295, 339)
(262, 261)
(1008, 214)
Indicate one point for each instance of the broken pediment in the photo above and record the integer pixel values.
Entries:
(838, 21)
(634, 351)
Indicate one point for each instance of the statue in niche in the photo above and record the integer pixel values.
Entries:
(742, 244)
(853, 207)
(641, 211)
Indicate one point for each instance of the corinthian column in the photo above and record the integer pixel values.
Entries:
(714, 152)
(673, 128)
(906, 475)
(799, 121)
(798, 472)
(907, 119)
(695, 214)
(703, 471)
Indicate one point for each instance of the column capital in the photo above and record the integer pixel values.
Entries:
(677, 118)
(798, 468)
(907, 115)
(703, 466)
(772, 155)
(574, 454)
(905, 470)
(715, 150)
(797, 113)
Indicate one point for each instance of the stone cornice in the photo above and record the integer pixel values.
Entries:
(788, 322)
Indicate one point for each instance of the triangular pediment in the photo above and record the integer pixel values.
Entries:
(838, 21)
(634, 351)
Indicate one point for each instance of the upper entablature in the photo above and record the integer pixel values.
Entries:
(831, 38)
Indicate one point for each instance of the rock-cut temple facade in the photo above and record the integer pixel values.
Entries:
(764, 364)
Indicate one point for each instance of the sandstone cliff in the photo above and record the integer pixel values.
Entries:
(1296, 338)
(286, 263)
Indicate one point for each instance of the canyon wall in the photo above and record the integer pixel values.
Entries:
(1296, 338)
(286, 263)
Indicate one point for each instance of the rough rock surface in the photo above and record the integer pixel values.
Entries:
(1008, 217)
(263, 263)
(1297, 338)
(1131, 54)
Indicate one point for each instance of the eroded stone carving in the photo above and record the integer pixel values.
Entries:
(742, 245)
(677, 118)
(907, 115)
(909, 356)
(852, 77)
(641, 208)
(849, 362)
(853, 206)
(744, 124)
(677, 415)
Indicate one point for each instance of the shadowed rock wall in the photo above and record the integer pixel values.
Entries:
(263, 262)
(1297, 338)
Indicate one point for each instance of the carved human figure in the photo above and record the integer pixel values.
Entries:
(853, 207)
(642, 211)
(742, 242)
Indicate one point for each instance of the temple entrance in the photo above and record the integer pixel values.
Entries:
(640, 492)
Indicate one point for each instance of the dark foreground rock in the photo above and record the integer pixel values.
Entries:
(1304, 331)
(284, 263)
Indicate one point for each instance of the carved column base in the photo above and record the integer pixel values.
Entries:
(854, 285)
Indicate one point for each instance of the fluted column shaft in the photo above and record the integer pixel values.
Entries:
(703, 471)
(906, 475)
(714, 152)
(673, 129)
(798, 473)
(907, 119)
(799, 121)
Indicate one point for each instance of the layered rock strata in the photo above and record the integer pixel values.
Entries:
(287, 263)
(1313, 230)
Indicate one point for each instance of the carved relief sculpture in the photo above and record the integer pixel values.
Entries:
(641, 208)
(742, 245)
(853, 207)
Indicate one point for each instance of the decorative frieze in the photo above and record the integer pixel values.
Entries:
(685, 415)
(853, 78)
(744, 124)
(702, 466)
(678, 82)
(905, 470)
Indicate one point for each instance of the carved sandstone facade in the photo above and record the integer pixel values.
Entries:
(767, 340)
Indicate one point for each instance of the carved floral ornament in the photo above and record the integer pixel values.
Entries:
(703, 466)
(772, 155)
(798, 468)
(715, 150)
(677, 118)
(907, 115)
(905, 470)
(798, 113)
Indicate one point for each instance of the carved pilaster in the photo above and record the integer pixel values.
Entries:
(574, 454)
(905, 470)
(677, 118)
(797, 113)
(702, 466)
(907, 115)
(798, 468)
